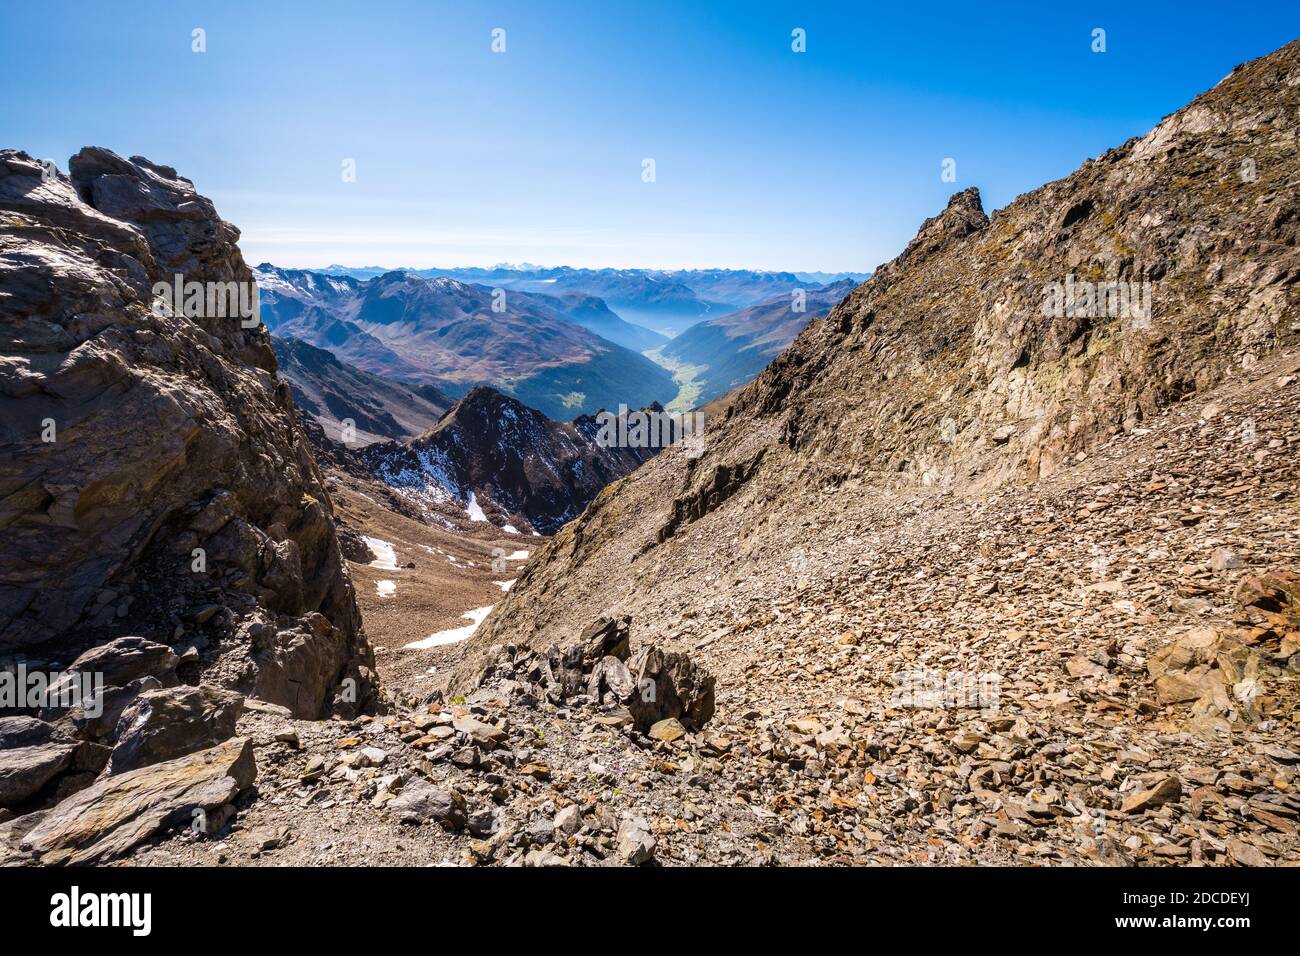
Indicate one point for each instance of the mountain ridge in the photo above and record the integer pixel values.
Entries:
(453, 335)
(509, 462)
(373, 407)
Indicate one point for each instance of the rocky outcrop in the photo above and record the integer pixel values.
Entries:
(164, 724)
(644, 687)
(153, 481)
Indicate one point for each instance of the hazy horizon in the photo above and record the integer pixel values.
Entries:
(540, 267)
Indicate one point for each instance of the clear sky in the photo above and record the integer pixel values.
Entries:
(764, 158)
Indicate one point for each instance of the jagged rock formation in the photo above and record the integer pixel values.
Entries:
(156, 494)
(522, 468)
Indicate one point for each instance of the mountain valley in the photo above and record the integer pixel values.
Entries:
(952, 576)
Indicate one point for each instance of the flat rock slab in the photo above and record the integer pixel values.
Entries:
(118, 813)
(24, 770)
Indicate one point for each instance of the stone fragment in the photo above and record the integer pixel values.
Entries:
(118, 813)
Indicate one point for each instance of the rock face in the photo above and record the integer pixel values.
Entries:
(960, 366)
(154, 480)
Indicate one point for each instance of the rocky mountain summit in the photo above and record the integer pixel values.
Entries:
(166, 532)
(520, 468)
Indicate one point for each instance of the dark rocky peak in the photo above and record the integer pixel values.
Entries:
(486, 415)
(522, 468)
(963, 215)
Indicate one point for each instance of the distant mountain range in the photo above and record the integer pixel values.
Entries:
(666, 301)
(334, 393)
(539, 348)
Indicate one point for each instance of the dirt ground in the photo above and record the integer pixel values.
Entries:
(452, 574)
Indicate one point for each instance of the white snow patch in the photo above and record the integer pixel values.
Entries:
(455, 634)
(474, 511)
(510, 529)
(505, 585)
(386, 588)
(517, 556)
(385, 554)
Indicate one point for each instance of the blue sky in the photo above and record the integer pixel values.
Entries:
(764, 158)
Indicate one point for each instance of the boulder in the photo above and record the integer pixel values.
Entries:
(126, 659)
(1213, 670)
(1276, 594)
(1167, 789)
(164, 724)
(635, 842)
(607, 637)
(669, 685)
(25, 770)
(23, 732)
(99, 720)
(118, 813)
(667, 730)
(422, 802)
(484, 736)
